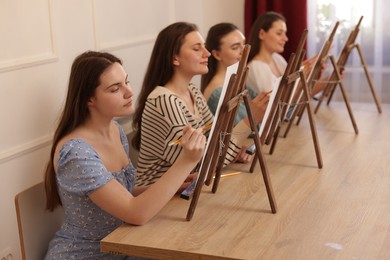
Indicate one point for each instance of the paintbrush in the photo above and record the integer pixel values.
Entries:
(205, 128)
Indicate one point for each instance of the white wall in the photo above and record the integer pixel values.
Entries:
(39, 40)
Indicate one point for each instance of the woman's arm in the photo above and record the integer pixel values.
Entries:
(137, 190)
(116, 200)
(258, 105)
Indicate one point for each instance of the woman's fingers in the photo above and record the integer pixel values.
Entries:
(193, 143)
(242, 156)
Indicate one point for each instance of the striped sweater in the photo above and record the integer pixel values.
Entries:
(163, 120)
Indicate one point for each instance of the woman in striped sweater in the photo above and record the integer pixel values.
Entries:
(168, 102)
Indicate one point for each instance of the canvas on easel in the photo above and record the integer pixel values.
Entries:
(270, 116)
(349, 45)
(217, 144)
(290, 92)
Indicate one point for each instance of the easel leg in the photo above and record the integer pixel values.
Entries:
(274, 140)
(294, 115)
(260, 156)
(217, 178)
(362, 59)
(220, 160)
(273, 128)
(311, 121)
(290, 122)
(343, 92)
(195, 196)
(300, 113)
(253, 165)
(325, 93)
(319, 102)
(331, 94)
(266, 178)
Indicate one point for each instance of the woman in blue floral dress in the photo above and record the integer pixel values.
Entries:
(89, 172)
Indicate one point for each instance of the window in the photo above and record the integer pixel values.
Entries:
(372, 39)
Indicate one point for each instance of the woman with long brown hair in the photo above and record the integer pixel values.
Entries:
(168, 102)
(89, 172)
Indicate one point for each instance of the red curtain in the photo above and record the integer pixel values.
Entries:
(295, 12)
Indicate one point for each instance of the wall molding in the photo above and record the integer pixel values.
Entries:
(25, 148)
(43, 142)
(128, 43)
(34, 60)
(113, 46)
(27, 62)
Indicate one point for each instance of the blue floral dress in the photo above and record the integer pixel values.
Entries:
(80, 171)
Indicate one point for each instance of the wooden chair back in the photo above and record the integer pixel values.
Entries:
(36, 225)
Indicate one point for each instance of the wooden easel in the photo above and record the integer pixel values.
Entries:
(215, 155)
(290, 76)
(315, 75)
(315, 72)
(284, 94)
(334, 79)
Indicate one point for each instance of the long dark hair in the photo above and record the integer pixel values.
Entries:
(160, 69)
(84, 79)
(213, 42)
(263, 22)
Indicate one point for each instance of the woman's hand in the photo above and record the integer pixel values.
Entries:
(242, 156)
(308, 65)
(193, 143)
(187, 182)
(258, 106)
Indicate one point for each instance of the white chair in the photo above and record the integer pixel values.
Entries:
(37, 225)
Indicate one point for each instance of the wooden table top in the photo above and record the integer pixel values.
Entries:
(225, 225)
(341, 211)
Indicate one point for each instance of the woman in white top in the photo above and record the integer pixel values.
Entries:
(267, 39)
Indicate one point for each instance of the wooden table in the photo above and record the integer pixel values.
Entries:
(226, 225)
(341, 211)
